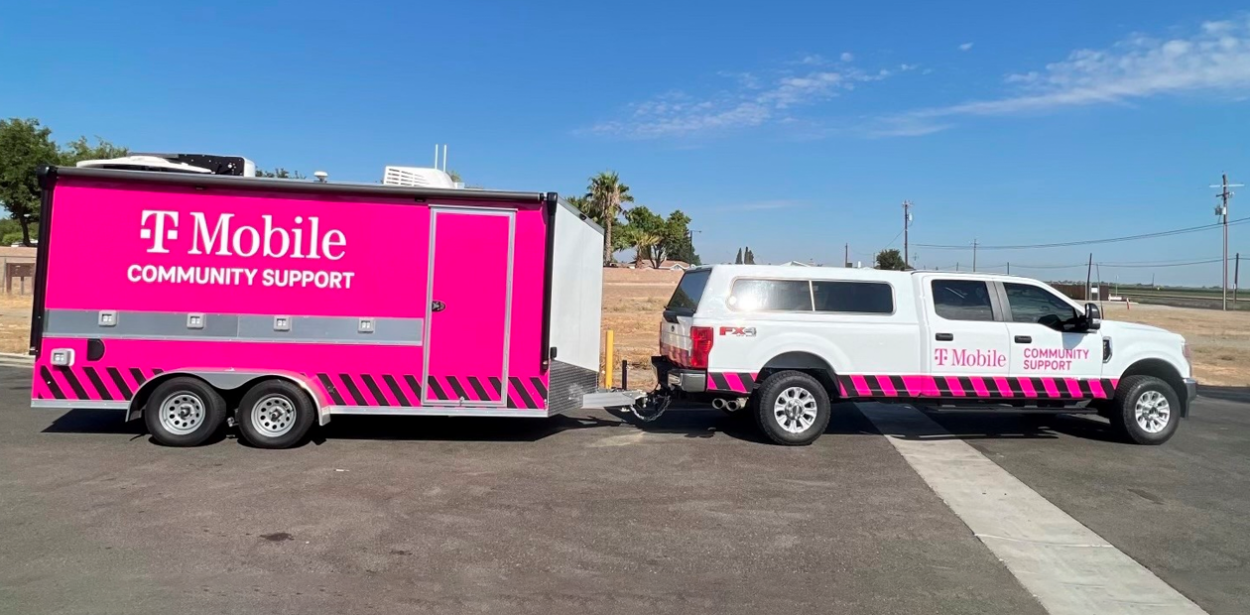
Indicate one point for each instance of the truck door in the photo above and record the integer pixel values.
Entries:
(467, 320)
(966, 335)
(1046, 338)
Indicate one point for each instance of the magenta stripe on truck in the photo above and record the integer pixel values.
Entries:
(972, 387)
(735, 382)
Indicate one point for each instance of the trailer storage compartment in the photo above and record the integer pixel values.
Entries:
(364, 299)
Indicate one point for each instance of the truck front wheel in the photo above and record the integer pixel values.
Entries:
(792, 409)
(1145, 410)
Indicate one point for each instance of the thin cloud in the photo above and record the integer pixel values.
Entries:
(966, 46)
(754, 100)
(1215, 58)
(846, 56)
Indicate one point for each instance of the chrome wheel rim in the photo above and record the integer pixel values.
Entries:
(182, 413)
(1153, 411)
(273, 415)
(795, 410)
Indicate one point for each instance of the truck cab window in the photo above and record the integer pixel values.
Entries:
(853, 297)
(962, 299)
(771, 296)
(1037, 305)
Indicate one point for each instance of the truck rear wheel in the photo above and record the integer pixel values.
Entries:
(1145, 410)
(275, 414)
(793, 408)
(184, 411)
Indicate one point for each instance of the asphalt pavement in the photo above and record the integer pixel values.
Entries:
(691, 514)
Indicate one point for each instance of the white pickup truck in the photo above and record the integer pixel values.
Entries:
(784, 342)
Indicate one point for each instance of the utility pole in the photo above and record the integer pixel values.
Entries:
(1236, 275)
(1088, 273)
(974, 254)
(906, 225)
(1099, 269)
(846, 255)
(1221, 210)
(956, 265)
(1008, 267)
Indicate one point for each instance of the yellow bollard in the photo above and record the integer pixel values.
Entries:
(608, 363)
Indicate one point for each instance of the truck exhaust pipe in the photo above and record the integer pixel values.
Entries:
(718, 403)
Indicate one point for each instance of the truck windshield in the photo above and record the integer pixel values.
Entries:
(689, 291)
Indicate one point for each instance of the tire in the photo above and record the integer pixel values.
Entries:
(804, 393)
(1151, 393)
(184, 411)
(275, 414)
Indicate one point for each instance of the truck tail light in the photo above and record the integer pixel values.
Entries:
(1186, 352)
(700, 346)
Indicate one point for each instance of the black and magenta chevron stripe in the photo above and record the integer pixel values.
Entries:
(976, 387)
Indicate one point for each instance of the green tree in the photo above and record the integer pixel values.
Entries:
(748, 257)
(738, 259)
(82, 149)
(25, 146)
(891, 260)
(608, 194)
(646, 232)
(676, 242)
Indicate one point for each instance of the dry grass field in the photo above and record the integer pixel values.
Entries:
(14, 322)
(633, 301)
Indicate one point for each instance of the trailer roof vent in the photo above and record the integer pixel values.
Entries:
(418, 177)
(203, 164)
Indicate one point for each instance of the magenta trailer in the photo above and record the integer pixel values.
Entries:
(190, 300)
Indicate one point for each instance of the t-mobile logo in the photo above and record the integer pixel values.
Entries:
(160, 232)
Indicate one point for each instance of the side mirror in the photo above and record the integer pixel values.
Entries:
(1093, 317)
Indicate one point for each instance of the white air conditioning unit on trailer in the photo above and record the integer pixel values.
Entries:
(418, 177)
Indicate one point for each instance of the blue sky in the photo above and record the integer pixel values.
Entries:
(790, 127)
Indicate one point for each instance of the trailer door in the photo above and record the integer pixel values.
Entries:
(467, 320)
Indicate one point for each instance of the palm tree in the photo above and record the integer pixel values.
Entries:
(584, 205)
(608, 193)
(644, 243)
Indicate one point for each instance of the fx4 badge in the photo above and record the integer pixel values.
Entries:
(738, 331)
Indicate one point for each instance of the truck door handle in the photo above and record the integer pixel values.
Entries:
(437, 306)
(1024, 339)
(945, 337)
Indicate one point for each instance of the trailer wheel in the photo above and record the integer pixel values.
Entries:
(184, 411)
(275, 414)
(1145, 410)
(793, 408)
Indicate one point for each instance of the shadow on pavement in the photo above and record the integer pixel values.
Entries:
(1234, 394)
(992, 425)
(690, 421)
(96, 421)
(465, 429)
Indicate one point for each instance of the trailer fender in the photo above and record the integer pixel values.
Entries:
(230, 380)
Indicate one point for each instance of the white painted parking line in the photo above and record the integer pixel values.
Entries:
(1065, 565)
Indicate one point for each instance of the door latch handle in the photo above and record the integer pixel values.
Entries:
(1024, 339)
(437, 306)
(945, 337)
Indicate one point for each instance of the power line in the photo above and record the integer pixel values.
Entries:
(1153, 266)
(1087, 242)
(1123, 265)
